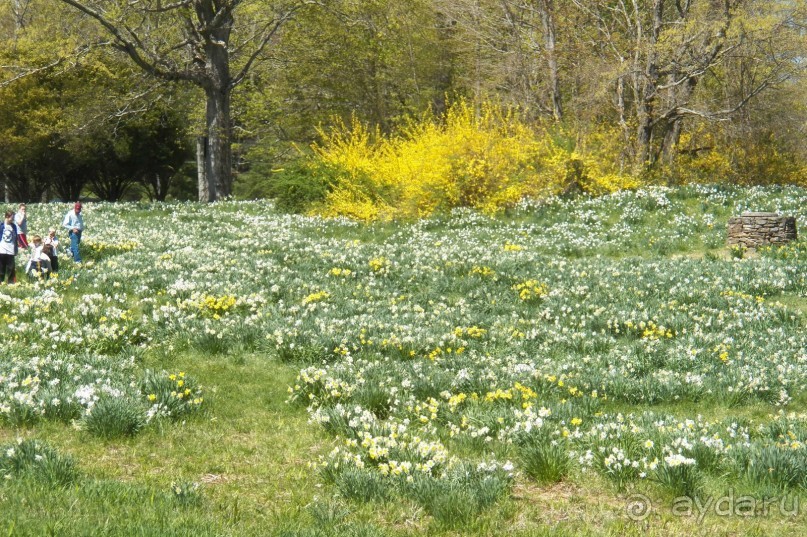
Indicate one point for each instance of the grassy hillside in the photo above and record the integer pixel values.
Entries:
(583, 366)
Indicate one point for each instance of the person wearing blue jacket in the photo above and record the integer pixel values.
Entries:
(9, 234)
(74, 224)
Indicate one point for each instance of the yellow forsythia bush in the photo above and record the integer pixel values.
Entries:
(487, 158)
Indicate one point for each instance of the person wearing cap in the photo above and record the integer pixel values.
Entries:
(74, 224)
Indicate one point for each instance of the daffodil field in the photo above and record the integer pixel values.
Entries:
(446, 370)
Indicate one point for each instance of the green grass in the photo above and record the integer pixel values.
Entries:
(249, 450)
(793, 302)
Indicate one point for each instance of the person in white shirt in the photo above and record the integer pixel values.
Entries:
(39, 264)
(74, 224)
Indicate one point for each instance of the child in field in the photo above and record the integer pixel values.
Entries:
(52, 241)
(39, 264)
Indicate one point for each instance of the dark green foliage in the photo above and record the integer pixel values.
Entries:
(374, 398)
(779, 467)
(544, 459)
(295, 186)
(113, 417)
(148, 148)
(461, 495)
(681, 480)
(300, 185)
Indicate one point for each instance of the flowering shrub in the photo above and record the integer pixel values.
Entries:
(488, 158)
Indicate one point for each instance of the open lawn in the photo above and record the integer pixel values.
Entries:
(592, 366)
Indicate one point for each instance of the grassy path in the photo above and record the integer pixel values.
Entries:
(250, 454)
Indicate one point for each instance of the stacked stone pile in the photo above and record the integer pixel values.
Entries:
(753, 230)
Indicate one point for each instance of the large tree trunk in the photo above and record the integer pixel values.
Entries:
(157, 185)
(645, 131)
(673, 130)
(217, 86)
(159, 195)
(670, 141)
(218, 156)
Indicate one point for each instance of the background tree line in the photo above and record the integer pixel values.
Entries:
(206, 97)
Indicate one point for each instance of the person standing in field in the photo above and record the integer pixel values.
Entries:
(8, 249)
(21, 219)
(52, 240)
(74, 224)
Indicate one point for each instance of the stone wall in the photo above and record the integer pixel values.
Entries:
(753, 230)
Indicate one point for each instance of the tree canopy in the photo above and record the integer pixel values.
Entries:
(249, 82)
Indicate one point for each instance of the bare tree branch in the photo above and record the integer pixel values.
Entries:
(269, 32)
(169, 7)
(133, 47)
(722, 115)
(29, 72)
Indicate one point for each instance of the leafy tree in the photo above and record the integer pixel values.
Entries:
(382, 61)
(697, 88)
(513, 49)
(28, 141)
(148, 149)
(113, 170)
(158, 146)
(662, 52)
(211, 44)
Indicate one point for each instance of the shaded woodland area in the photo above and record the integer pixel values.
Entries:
(201, 99)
